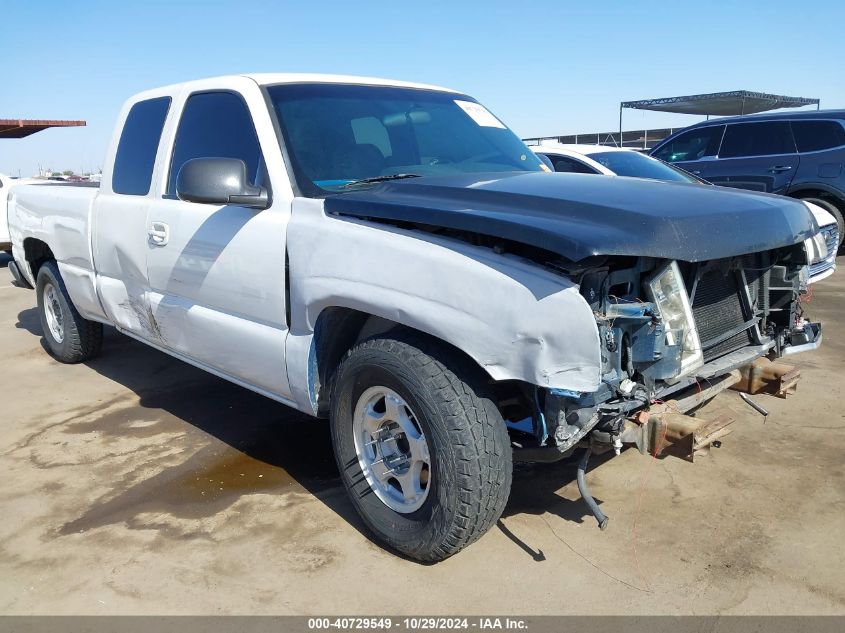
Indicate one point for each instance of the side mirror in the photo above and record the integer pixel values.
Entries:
(219, 181)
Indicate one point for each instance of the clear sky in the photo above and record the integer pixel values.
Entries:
(544, 67)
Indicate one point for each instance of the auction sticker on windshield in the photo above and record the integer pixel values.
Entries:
(479, 114)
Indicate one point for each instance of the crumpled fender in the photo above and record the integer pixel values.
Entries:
(517, 320)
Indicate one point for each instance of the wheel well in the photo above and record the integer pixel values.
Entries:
(337, 331)
(36, 253)
(835, 200)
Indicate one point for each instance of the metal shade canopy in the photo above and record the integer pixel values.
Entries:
(736, 102)
(19, 128)
(721, 103)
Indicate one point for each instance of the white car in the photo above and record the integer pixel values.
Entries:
(617, 161)
(610, 161)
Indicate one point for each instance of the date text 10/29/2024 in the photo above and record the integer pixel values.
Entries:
(416, 623)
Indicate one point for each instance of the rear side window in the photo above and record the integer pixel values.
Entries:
(757, 139)
(692, 145)
(812, 136)
(136, 150)
(215, 125)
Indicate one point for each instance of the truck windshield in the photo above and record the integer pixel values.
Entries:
(337, 134)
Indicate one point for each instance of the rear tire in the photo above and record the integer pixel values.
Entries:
(455, 436)
(70, 337)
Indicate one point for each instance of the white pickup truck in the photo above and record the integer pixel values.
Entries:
(391, 256)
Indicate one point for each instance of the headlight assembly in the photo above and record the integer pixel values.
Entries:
(672, 301)
(819, 252)
(821, 241)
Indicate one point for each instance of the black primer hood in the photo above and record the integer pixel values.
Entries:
(578, 215)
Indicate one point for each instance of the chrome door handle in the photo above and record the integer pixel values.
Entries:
(159, 233)
(777, 168)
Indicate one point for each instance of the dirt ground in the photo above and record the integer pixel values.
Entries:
(136, 484)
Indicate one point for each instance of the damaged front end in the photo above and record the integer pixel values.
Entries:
(673, 334)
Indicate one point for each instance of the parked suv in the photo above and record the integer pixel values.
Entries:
(798, 154)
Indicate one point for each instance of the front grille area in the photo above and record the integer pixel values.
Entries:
(717, 309)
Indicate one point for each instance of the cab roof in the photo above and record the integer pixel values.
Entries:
(268, 79)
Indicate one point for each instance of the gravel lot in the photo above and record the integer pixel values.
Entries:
(138, 484)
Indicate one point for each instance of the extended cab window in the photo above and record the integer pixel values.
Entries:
(813, 136)
(215, 125)
(136, 150)
(692, 145)
(757, 139)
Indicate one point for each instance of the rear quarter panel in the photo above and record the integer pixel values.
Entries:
(59, 216)
(825, 167)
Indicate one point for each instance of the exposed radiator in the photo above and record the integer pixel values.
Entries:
(717, 309)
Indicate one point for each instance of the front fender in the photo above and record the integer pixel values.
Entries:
(515, 319)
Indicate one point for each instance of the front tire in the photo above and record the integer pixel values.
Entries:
(70, 337)
(422, 450)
